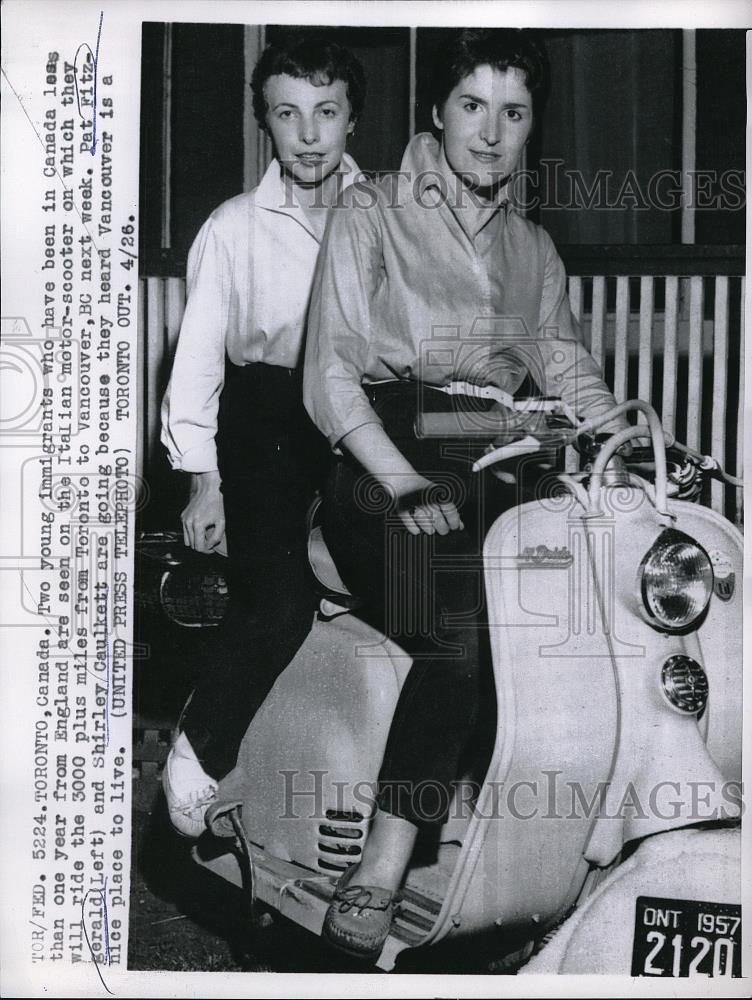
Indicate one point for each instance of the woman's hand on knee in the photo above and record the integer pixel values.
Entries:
(204, 517)
(431, 518)
(419, 512)
(422, 506)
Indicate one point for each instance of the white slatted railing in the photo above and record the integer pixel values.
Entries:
(670, 355)
(680, 355)
(665, 353)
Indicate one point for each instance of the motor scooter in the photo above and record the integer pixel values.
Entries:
(615, 616)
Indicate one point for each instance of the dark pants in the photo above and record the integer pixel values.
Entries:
(271, 458)
(427, 592)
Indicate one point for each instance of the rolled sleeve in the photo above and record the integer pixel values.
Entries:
(191, 403)
(339, 324)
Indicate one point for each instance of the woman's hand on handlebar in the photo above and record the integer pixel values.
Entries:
(204, 517)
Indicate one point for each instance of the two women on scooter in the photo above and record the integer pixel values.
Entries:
(429, 277)
(253, 455)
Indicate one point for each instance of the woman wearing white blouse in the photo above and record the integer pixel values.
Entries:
(253, 455)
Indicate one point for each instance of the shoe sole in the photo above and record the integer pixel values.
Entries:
(366, 956)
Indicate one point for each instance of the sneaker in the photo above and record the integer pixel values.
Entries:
(188, 788)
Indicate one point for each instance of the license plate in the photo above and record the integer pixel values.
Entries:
(686, 937)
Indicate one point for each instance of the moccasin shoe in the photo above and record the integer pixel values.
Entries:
(188, 789)
(359, 917)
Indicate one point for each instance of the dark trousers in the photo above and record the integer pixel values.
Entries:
(271, 459)
(427, 592)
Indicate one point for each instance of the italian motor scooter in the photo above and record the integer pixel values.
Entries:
(616, 633)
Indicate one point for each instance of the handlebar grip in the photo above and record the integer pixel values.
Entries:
(463, 424)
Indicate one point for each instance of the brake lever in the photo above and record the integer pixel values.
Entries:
(525, 446)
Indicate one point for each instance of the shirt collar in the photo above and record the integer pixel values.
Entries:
(272, 193)
(424, 161)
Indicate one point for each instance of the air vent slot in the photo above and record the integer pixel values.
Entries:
(340, 840)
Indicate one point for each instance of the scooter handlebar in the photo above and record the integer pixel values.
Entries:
(501, 425)
(525, 446)
(454, 423)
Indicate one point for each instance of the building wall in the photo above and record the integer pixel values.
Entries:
(615, 107)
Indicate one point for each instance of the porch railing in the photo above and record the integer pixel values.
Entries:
(666, 324)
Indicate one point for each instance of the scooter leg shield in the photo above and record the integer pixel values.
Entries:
(308, 764)
(590, 754)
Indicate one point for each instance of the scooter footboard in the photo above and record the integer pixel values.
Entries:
(303, 895)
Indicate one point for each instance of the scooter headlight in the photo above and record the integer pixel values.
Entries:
(676, 581)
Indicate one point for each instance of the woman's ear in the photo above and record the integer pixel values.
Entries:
(351, 127)
(436, 118)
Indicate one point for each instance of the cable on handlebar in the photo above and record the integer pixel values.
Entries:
(658, 441)
(661, 472)
(575, 488)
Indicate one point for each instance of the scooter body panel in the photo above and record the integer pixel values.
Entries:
(521, 865)
(590, 755)
(584, 727)
(308, 764)
(672, 909)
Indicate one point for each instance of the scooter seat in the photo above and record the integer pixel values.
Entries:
(323, 566)
(334, 593)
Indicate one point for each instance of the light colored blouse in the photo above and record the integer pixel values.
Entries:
(248, 280)
(409, 284)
